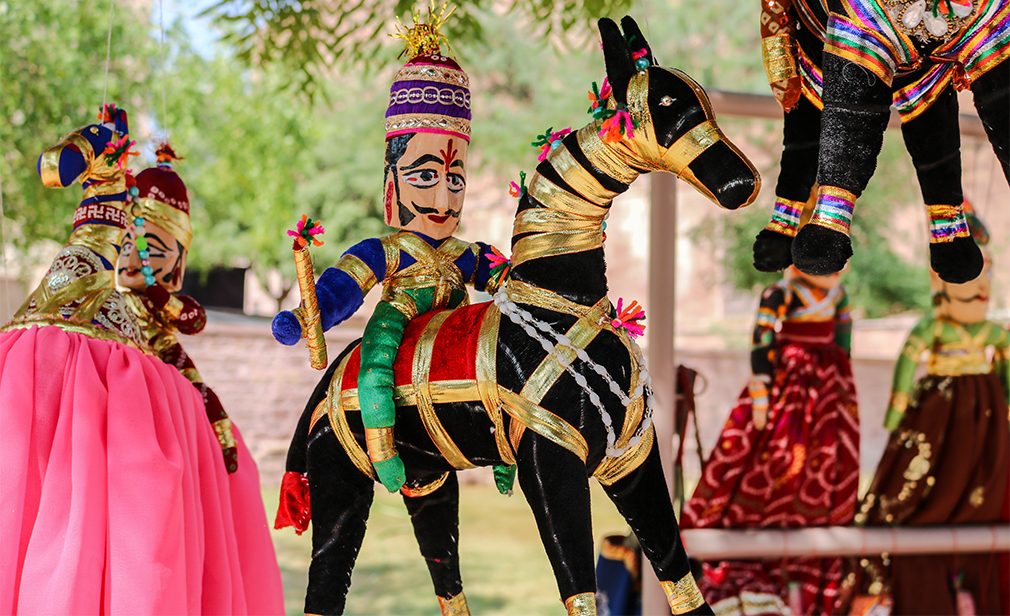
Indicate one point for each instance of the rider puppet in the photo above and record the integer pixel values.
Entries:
(422, 266)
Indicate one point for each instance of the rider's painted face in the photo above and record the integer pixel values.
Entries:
(166, 254)
(425, 188)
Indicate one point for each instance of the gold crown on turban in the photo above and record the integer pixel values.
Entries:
(424, 37)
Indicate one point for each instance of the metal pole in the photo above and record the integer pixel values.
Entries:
(660, 330)
(720, 544)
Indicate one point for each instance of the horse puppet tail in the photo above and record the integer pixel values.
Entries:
(294, 508)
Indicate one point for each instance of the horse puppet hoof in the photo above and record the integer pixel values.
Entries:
(772, 251)
(958, 261)
(820, 251)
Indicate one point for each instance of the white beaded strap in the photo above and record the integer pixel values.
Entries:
(530, 325)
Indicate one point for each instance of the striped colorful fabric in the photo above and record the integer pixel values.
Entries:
(915, 98)
(866, 37)
(766, 317)
(786, 217)
(834, 209)
(946, 223)
(984, 43)
(811, 78)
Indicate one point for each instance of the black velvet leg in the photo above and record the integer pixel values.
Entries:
(992, 100)
(933, 140)
(856, 109)
(435, 518)
(821, 251)
(341, 497)
(801, 138)
(642, 499)
(772, 251)
(556, 486)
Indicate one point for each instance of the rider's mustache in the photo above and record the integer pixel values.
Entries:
(434, 210)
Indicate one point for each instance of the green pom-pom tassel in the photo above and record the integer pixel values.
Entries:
(391, 473)
(505, 477)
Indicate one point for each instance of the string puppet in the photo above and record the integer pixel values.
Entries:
(836, 67)
(115, 495)
(546, 376)
(947, 460)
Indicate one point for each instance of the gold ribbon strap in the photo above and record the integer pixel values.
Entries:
(338, 421)
(524, 293)
(579, 178)
(176, 222)
(557, 198)
(778, 58)
(487, 380)
(391, 249)
(690, 145)
(49, 163)
(553, 244)
(425, 489)
(544, 422)
(581, 334)
(612, 470)
(606, 158)
(425, 406)
(47, 301)
(454, 606)
(103, 240)
(442, 392)
(318, 413)
(683, 595)
(358, 270)
(582, 604)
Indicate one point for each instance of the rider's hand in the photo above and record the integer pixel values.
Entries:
(286, 328)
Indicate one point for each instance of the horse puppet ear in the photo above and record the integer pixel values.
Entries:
(635, 39)
(617, 58)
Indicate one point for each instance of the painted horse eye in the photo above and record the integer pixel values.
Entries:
(666, 101)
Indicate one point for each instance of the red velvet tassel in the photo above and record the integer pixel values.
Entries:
(294, 509)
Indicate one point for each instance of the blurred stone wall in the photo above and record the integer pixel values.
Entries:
(264, 386)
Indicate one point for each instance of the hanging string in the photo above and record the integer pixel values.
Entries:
(164, 71)
(108, 56)
(3, 235)
(994, 164)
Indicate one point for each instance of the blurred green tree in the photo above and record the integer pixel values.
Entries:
(52, 70)
(304, 35)
(259, 153)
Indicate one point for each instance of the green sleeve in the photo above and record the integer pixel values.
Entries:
(919, 340)
(1000, 339)
(843, 322)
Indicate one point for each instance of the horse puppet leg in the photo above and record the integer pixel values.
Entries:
(643, 500)
(801, 139)
(556, 487)
(435, 518)
(341, 497)
(933, 140)
(991, 92)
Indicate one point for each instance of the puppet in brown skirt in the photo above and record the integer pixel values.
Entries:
(948, 457)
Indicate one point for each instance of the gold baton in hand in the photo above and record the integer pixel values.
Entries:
(306, 233)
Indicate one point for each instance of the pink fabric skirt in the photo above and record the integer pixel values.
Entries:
(114, 496)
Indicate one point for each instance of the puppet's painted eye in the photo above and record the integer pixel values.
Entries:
(666, 101)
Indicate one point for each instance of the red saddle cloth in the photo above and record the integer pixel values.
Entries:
(454, 354)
